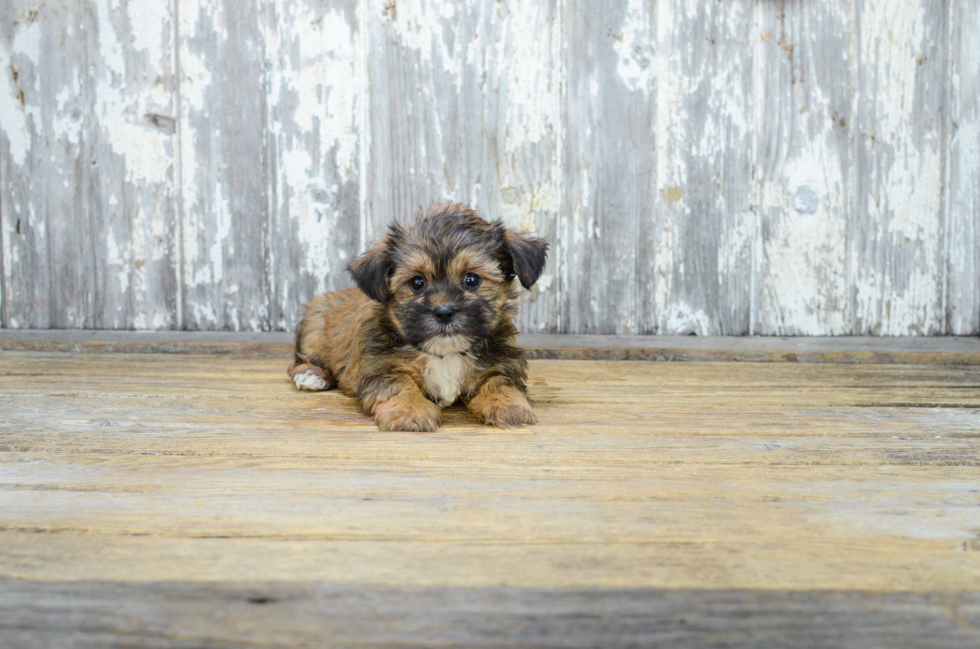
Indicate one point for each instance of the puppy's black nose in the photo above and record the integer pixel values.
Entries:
(445, 313)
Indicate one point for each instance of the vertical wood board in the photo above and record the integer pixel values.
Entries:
(706, 197)
(897, 235)
(314, 144)
(609, 166)
(776, 168)
(509, 137)
(804, 116)
(225, 165)
(963, 177)
(464, 107)
(87, 121)
(413, 62)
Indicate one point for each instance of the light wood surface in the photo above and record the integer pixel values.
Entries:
(790, 167)
(133, 486)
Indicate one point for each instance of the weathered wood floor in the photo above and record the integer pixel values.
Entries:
(200, 501)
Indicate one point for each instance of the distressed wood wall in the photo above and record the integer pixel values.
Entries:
(700, 166)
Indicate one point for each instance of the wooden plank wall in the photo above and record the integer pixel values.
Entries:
(740, 167)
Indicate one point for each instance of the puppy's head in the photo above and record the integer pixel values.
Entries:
(447, 278)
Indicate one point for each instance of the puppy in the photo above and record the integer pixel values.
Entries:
(428, 324)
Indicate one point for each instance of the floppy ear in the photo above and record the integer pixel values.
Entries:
(527, 256)
(372, 270)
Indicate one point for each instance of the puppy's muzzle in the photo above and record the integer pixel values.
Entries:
(444, 314)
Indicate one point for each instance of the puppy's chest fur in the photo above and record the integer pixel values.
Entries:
(446, 377)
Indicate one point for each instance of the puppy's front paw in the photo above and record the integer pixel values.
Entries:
(504, 407)
(408, 412)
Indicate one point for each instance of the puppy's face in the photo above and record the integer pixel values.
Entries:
(447, 278)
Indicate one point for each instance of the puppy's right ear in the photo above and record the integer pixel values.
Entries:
(372, 270)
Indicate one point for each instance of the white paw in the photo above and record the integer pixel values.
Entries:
(308, 380)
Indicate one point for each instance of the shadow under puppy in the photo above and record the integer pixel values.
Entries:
(429, 323)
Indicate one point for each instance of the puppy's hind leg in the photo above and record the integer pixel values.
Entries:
(306, 371)
(310, 377)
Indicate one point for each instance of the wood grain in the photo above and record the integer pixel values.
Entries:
(88, 128)
(454, 116)
(127, 614)
(609, 167)
(777, 168)
(225, 165)
(963, 194)
(704, 167)
(132, 487)
(897, 236)
(804, 154)
(315, 149)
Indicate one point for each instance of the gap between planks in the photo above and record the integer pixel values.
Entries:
(947, 350)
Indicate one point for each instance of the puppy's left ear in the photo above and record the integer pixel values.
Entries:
(372, 270)
(527, 256)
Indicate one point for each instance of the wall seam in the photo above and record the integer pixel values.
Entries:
(856, 124)
(633, 321)
(757, 175)
(4, 287)
(560, 252)
(656, 219)
(275, 314)
(178, 173)
(364, 123)
(944, 195)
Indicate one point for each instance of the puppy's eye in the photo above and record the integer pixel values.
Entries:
(471, 280)
(417, 283)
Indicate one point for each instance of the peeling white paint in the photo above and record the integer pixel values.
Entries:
(67, 119)
(147, 159)
(544, 283)
(522, 208)
(805, 264)
(963, 172)
(203, 312)
(319, 78)
(121, 112)
(206, 210)
(421, 26)
(485, 125)
(117, 261)
(671, 167)
(195, 75)
(532, 112)
(901, 293)
(684, 320)
(634, 48)
(13, 114)
(27, 41)
(314, 99)
(150, 27)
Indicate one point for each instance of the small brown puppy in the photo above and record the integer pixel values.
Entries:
(429, 324)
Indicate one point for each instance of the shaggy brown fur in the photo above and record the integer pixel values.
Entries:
(430, 322)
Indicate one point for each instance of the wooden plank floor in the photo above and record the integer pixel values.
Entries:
(200, 501)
